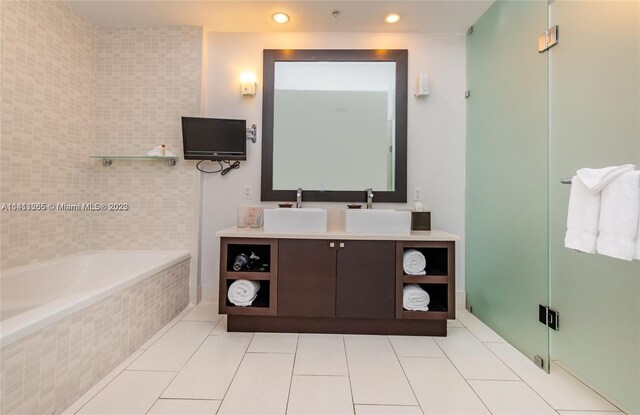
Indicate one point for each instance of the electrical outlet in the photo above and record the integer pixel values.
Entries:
(247, 191)
(417, 194)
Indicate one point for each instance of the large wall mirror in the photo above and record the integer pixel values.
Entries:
(335, 123)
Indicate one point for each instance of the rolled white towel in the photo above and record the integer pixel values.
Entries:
(243, 292)
(414, 298)
(413, 262)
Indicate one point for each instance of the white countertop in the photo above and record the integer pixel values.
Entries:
(336, 233)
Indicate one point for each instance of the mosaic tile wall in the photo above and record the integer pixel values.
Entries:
(147, 78)
(48, 93)
(69, 91)
(47, 371)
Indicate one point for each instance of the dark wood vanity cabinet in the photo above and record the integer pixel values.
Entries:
(365, 285)
(307, 282)
(338, 286)
(326, 278)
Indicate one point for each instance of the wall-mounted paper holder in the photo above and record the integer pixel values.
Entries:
(252, 133)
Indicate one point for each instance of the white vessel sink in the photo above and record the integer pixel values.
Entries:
(378, 221)
(295, 220)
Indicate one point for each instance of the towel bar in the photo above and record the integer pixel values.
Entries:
(565, 181)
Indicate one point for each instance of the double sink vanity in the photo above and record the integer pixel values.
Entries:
(329, 129)
(337, 271)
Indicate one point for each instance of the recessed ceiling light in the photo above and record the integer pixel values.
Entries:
(392, 18)
(280, 18)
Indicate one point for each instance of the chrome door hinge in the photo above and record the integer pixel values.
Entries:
(467, 93)
(549, 317)
(469, 30)
(548, 39)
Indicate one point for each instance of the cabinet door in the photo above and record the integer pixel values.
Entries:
(366, 279)
(306, 278)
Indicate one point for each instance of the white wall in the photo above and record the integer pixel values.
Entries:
(436, 126)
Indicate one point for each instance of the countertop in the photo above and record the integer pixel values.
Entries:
(336, 233)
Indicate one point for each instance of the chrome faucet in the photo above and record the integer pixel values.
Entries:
(369, 197)
(299, 197)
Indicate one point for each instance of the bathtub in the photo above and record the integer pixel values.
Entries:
(78, 317)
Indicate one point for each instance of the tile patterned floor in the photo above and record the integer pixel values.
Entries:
(193, 366)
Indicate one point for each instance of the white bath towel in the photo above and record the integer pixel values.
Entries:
(243, 292)
(636, 255)
(414, 298)
(157, 152)
(597, 179)
(582, 219)
(413, 262)
(619, 215)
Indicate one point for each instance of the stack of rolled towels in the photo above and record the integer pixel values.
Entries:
(414, 298)
(243, 292)
(413, 262)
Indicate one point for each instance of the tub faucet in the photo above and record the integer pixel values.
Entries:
(369, 197)
(299, 197)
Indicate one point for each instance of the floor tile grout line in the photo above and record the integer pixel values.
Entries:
(476, 336)
(185, 363)
(346, 361)
(520, 377)
(174, 320)
(593, 410)
(461, 375)
(489, 349)
(235, 373)
(405, 375)
(295, 354)
(217, 324)
(160, 394)
(560, 365)
(187, 399)
(101, 389)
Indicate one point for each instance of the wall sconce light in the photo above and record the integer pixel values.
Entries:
(248, 83)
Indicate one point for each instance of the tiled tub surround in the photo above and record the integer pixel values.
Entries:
(48, 89)
(50, 368)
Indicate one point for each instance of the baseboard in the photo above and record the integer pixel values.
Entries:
(461, 299)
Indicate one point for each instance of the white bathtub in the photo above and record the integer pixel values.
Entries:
(34, 296)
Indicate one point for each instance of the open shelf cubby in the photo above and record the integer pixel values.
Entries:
(439, 280)
(262, 265)
(259, 306)
(264, 270)
(436, 259)
(438, 304)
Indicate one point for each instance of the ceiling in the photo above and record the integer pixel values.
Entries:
(429, 16)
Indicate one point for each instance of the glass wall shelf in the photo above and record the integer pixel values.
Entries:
(107, 160)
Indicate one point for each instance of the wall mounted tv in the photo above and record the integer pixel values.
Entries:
(214, 139)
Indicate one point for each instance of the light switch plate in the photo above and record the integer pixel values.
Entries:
(247, 191)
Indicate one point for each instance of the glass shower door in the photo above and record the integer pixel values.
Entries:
(507, 173)
(594, 122)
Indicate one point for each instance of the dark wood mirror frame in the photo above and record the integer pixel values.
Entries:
(270, 57)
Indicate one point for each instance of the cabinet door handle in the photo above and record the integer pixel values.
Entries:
(332, 244)
(341, 244)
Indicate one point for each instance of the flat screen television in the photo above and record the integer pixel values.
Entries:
(214, 139)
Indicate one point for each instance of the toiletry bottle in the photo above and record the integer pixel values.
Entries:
(164, 150)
